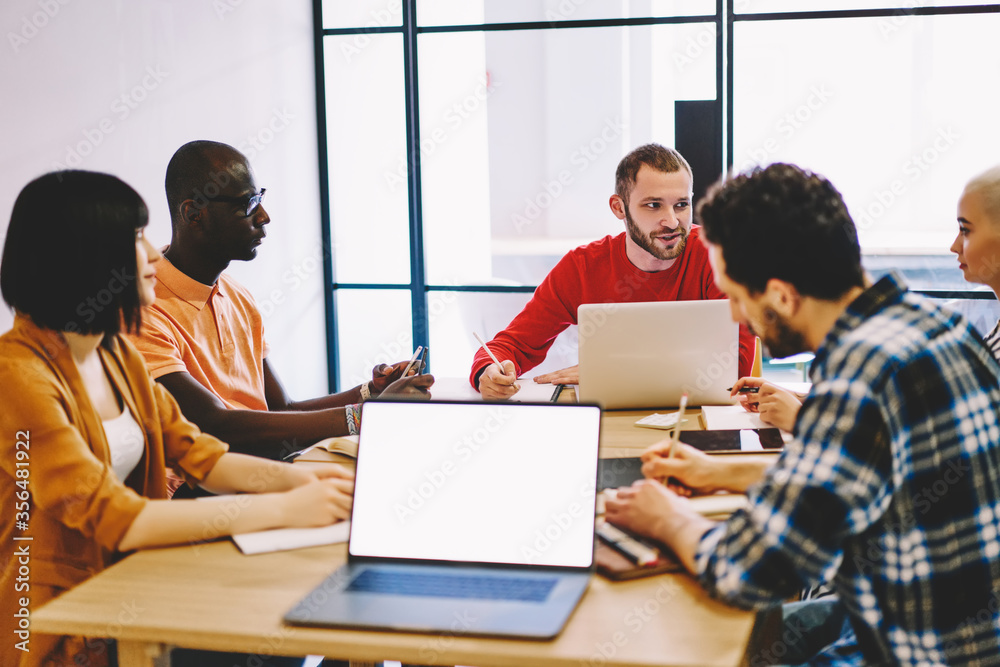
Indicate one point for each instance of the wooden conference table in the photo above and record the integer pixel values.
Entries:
(209, 596)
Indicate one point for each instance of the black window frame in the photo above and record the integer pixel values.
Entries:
(724, 19)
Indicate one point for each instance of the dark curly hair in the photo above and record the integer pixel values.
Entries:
(783, 222)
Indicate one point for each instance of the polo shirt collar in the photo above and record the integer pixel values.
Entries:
(184, 286)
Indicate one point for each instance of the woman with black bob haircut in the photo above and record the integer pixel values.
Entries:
(69, 261)
(87, 434)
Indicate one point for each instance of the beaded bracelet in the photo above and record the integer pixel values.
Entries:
(366, 392)
(352, 414)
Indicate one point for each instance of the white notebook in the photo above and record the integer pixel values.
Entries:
(284, 539)
(459, 389)
(723, 417)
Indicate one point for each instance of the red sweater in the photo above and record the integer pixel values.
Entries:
(600, 272)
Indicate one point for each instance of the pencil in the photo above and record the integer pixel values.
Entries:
(677, 426)
(490, 352)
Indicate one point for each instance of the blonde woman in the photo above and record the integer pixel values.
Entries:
(978, 241)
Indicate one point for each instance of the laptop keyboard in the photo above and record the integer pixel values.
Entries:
(453, 586)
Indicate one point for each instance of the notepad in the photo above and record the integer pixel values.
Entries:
(726, 417)
(664, 421)
(718, 505)
(285, 539)
(346, 445)
(459, 389)
(713, 506)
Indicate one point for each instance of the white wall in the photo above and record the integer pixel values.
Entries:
(117, 86)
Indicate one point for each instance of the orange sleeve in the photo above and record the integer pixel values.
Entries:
(66, 480)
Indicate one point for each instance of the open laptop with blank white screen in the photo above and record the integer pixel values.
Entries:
(645, 355)
(498, 498)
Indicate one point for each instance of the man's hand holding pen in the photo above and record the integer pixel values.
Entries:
(777, 406)
(499, 379)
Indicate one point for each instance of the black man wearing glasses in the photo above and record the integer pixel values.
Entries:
(203, 339)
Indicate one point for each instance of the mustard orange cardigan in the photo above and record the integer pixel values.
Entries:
(77, 509)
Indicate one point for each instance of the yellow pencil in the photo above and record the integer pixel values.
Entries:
(677, 427)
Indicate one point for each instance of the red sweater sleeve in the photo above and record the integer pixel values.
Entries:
(528, 337)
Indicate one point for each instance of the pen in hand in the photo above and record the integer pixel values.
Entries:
(490, 352)
(675, 434)
(296, 454)
(413, 359)
(677, 427)
(747, 390)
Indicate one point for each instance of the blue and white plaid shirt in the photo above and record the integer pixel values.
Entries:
(890, 489)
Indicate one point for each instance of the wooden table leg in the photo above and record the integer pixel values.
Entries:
(142, 654)
(765, 634)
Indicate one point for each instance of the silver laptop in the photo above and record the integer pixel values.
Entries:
(645, 355)
(469, 518)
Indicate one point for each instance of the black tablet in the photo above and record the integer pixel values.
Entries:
(734, 441)
(615, 473)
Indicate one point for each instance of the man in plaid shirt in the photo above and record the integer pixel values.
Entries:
(890, 489)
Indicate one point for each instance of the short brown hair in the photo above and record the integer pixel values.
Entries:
(655, 156)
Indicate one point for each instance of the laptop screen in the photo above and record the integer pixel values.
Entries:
(477, 482)
(647, 354)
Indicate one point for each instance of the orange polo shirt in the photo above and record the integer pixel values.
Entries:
(213, 332)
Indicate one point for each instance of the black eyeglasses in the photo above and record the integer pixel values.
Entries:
(252, 203)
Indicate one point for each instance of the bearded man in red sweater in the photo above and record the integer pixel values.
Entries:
(659, 257)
